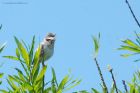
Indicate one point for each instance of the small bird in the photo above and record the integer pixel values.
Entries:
(47, 48)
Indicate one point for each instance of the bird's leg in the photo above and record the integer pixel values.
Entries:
(42, 53)
(43, 64)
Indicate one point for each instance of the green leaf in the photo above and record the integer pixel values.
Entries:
(23, 51)
(130, 43)
(32, 48)
(17, 79)
(4, 91)
(28, 86)
(96, 45)
(13, 78)
(42, 73)
(129, 49)
(94, 90)
(25, 68)
(1, 75)
(53, 88)
(131, 46)
(54, 77)
(36, 74)
(73, 84)
(36, 61)
(47, 90)
(21, 75)
(59, 91)
(0, 82)
(53, 82)
(37, 87)
(82, 91)
(112, 88)
(11, 82)
(11, 57)
(17, 53)
(128, 55)
(138, 37)
(25, 45)
(62, 84)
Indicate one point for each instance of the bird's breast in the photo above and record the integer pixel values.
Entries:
(48, 52)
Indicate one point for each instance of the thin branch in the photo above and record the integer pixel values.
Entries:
(0, 26)
(132, 13)
(101, 76)
(115, 85)
(125, 87)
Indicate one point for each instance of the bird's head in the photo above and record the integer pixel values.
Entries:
(50, 39)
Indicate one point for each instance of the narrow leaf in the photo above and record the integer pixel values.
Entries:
(130, 43)
(54, 77)
(1, 75)
(42, 73)
(11, 57)
(94, 90)
(23, 51)
(63, 83)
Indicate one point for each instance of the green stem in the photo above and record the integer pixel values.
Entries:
(101, 76)
(43, 83)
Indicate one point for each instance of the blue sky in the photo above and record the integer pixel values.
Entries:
(74, 22)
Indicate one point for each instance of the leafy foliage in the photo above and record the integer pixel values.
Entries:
(3, 45)
(134, 85)
(30, 78)
(65, 85)
(96, 45)
(1, 49)
(93, 90)
(131, 46)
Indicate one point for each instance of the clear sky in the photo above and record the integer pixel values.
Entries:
(74, 22)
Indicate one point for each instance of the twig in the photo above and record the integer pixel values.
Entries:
(0, 26)
(125, 87)
(132, 13)
(114, 81)
(101, 76)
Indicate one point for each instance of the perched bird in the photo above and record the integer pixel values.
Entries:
(47, 48)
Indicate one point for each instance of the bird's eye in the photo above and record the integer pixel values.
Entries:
(48, 39)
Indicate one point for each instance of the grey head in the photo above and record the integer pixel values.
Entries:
(50, 39)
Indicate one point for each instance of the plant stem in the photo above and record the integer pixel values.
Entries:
(125, 87)
(43, 83)
(101, 76)
(132, 13)
(111, 71)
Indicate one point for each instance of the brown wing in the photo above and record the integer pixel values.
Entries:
(42, 55)
(42, 51)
